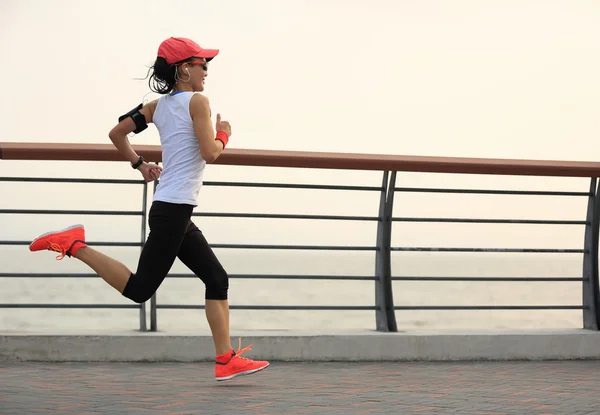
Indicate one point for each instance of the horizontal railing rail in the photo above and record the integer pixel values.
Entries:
(383, 249)
(313, 160)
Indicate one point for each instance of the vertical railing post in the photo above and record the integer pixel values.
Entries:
(387, 243)
(384, 315)
(153, 318)
(381, 323)
(143, 240)
(153, 322)
(590, 293)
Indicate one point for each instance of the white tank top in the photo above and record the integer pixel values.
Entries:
(183, 165)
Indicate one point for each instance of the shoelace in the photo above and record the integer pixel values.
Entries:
(240, 350)
(57, 248)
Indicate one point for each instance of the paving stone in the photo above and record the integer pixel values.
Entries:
(484, 388)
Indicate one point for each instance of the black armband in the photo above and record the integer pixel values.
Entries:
(137, 117)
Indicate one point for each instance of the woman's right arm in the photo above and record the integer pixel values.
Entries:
(118, 134)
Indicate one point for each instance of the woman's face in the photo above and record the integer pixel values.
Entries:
(197, 70)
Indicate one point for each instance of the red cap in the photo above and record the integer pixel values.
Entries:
(176, 49)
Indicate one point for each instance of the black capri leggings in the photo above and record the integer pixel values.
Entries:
(174, 235)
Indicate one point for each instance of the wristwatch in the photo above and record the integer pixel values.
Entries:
(137, 163)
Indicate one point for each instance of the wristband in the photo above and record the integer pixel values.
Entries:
(222, 136)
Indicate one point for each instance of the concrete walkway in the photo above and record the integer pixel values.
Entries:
(555, 387)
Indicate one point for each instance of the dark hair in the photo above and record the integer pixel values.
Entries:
(163, 77)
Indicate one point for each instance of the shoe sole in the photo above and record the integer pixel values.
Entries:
(54, 233)
(247, 372)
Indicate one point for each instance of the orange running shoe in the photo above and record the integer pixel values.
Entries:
(231, 364)
(65, 242)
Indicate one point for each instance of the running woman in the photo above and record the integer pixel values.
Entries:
(188, 141)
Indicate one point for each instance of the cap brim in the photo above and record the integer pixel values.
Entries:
(207, 53)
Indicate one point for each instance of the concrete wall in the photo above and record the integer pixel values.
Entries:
(289, 346)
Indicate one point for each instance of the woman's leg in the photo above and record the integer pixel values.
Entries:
(115, 273)
(71, 242)
(168, 224)
(196, 254)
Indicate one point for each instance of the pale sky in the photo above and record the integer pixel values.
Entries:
(494, 78)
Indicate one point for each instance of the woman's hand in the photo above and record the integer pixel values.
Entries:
(150, 172)
(223, 126)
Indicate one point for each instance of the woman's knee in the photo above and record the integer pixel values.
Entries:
(218, 287)
(138, 291)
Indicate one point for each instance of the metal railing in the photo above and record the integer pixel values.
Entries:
(383, 277)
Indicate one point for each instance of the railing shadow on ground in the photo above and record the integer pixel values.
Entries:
(389, 166)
